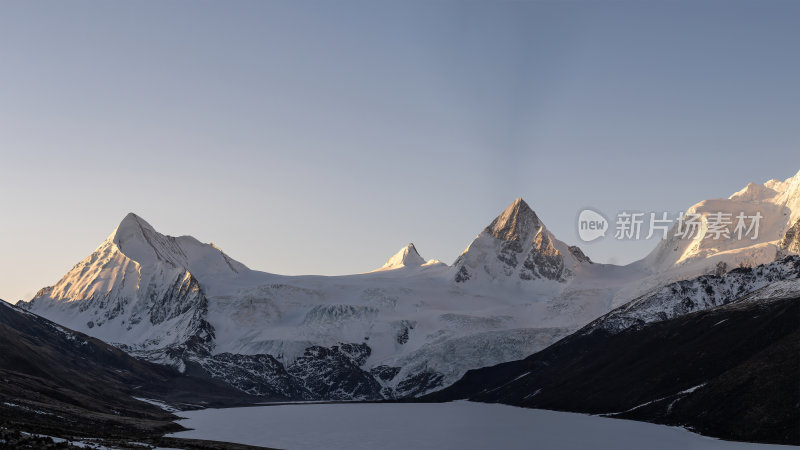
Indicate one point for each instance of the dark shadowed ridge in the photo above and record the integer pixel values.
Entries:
(731, 372)
(59, 382)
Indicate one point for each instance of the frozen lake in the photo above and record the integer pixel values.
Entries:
(457, 425)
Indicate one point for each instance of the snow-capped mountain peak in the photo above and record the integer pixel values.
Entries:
(142, 289)
(776, 202)
(404, 329)
(140, 242)
(785, 194)
(516, 222)
(516, 245)
(132, 222)
(407, 256)
(754, 191)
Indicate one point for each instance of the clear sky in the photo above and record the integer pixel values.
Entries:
(320, 137)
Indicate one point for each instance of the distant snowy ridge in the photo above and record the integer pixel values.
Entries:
(408, 258)
(777, 201)
(777, 279)
(405, 329)
(402, 330)
(677, 258)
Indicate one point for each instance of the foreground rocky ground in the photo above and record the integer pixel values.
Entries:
(15, 439)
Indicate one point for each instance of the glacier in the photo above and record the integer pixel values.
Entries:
(407, 328)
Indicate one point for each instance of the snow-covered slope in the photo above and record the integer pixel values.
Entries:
(139, 289)
(774, 280)
(404, 329)
(680, 258)
(777, 201)
(407, 257)
(695, 354)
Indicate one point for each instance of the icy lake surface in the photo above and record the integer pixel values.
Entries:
(457, 425)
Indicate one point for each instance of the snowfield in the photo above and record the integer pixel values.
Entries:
(458, 425)
(408, 328)
(411, 326)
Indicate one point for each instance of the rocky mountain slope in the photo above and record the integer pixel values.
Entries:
(63, 383)
(517, 245)
(697, 294)
(790, 243)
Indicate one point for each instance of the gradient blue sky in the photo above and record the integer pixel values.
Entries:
(320, 137)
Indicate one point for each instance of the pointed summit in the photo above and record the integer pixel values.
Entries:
(141, 242)
(131, 225)
(407, 256)
(515, 222)
(516, 245)
(754, 192)
(133, 219)
(777, 203)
